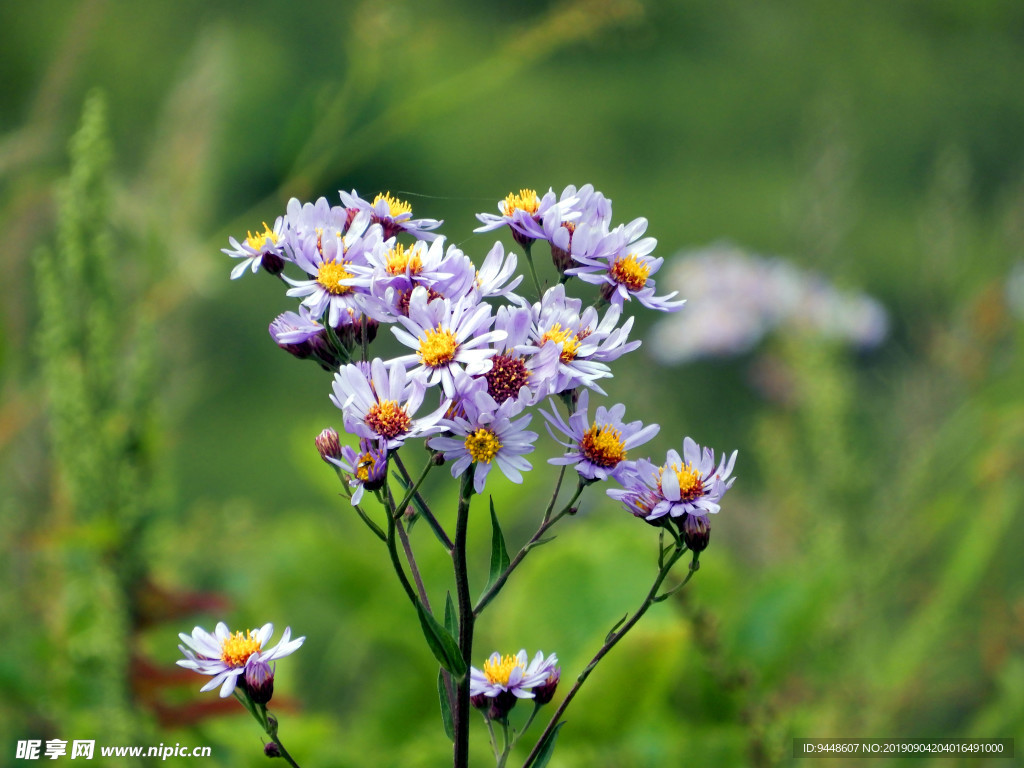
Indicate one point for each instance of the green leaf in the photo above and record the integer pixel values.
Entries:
(442, 643)
(499, 555)
(547, 748)
(446, 707)
(618, 624)
(541, 542)
(451, 617)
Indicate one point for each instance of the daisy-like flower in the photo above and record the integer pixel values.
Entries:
(586, 343)
(621, 263)
(367, 468)
(333, 288)
(519, 369)
(506, 679)
(259, 249)
(497, 274)
(593, 214)
(226, 656)
(392, 214)
(690, 484)
(378, 404)
(598, 448)
(484, 436)
(447, 336)
(392, 264)
(524, 213)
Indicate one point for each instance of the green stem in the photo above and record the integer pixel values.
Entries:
(611, 641)
(467, 617)
(533, 269)
(400, 510)
(507, 744)
(267, 722)
(393, 552)
(545, 525)
(424, 508)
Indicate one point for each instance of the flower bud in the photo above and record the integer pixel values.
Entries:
(524, 240)
(501, 705)
(270, 749)
(696, 532)
(272, 263)
(259, 681)
(544, 692)
(562, 257)
(328, 445)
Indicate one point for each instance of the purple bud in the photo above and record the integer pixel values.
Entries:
(544, 692)
(270, 749)
(272, 263)
(501, 705)
(696, 532)
(259, 680)
(328, 445)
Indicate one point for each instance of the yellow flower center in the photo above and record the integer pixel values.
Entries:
(437, 347)
(631, 272)
(235, 650)
(570, 341)
(363, 467)
(395, 206)
(603, 446)
(500, 670)
(331, 273)
(483, 445)
(691, 484)
(526, 200)
(388, 419)
(400, 261)
(258, 241)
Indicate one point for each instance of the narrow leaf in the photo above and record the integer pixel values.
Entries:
(446, 707)
(541, 542)
(441, 643)
(499, 555)
(547, 748)
(451, 617)
(618, 624)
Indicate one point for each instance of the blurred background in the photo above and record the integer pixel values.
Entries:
(841, 183)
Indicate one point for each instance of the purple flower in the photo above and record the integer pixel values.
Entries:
(690, 484)
(225, 656)
(327, 257)
(524, 212)
(621, 263)
(520, 369)
(393, 215)
(379, 404)
(598, 448)
(447, 336)
(586, 344)
(510, 674)
(392, 264)
(486, 435)
(367, 468)
(262, 249)
(590, 216)
(497, 274)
